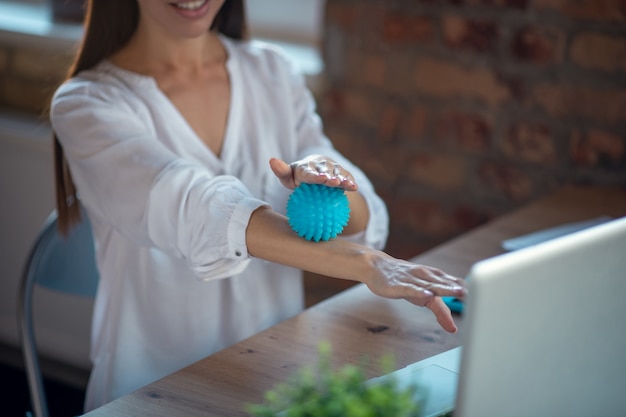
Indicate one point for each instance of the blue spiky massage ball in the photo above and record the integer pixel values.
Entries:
(317, 212)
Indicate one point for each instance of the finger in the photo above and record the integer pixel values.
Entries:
(439, 282)
(348, 184)
(338, 177)
(343, 177)
(327, 170)
(451, 278)
(308, 172)
(443, 314)
(438, 288)
(283, 171)
(417, 295)
(438, 307)
(329, 181)
(444, 289)
(332, 181)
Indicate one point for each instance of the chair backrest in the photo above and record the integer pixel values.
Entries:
(61, 263)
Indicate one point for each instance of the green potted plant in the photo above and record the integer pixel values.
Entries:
(322, 392)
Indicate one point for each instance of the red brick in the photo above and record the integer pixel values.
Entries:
(612, 10)
(538, 45)
(532, 143)
(513, 4)
(341, 136)
(389, 123)
(440, 171)
(400, 28)
(348, 67)
(446, 80)
(400, 73)
(466, 218)
(375, 71)
(405, 244)
(472, 132)
(516, 84)
(599, 52)
(506, 180)
(386, 163)
(598, 148)
(606, 105)
(332, 105)
(473, 35)
(415, 125)
(422, 217)
(360, 107)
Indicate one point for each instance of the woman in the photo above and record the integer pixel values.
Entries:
(165, 128)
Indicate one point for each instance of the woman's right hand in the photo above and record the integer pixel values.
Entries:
(419, 284)
(314, 169)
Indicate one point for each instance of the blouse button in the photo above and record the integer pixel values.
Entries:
(237, 253)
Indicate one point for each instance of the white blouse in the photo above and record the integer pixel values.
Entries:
(169, 216)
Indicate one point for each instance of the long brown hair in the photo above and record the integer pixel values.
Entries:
(109, 24)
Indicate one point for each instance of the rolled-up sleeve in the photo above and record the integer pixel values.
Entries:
(135, 184)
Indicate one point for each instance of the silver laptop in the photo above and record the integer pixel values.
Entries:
(544, 334)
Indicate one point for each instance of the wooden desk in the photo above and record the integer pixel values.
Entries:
(357, 323)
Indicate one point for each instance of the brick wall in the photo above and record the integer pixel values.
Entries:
(461, 110)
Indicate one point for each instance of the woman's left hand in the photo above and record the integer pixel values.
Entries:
(314, 169)
(419, 284)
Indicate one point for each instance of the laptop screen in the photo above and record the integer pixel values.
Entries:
(544, 330)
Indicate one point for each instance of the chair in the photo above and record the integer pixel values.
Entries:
(65, 264)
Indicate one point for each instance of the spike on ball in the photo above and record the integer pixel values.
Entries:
(318, 212)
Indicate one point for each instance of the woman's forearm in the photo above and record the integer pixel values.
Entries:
(359, 213)
(269, 237)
